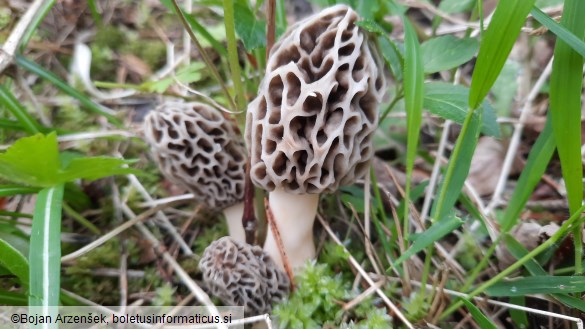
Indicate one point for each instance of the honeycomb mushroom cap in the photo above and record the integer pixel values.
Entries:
(310, 128)
(196, 147)
(242, 274)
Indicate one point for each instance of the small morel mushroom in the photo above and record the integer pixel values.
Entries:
(244, 275)
(310, 128)
(197, 148)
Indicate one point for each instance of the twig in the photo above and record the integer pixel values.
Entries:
(164, 221)
(249, 219)
(8, 50)
(183, 276)
(103, 239)
(366, 276)
(276, 233)
(271, 26)
(515, 140)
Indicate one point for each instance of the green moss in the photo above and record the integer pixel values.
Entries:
(111, 37)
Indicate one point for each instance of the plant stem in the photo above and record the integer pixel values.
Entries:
(230, 31)
(204, 55)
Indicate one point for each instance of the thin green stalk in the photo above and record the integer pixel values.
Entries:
(573, 221)
(81, 220)
(19, 112)
(440, 202)
(43, 11)
(204, 55)
(230, 31)
(482, 264)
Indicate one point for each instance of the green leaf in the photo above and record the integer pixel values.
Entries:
(544, 284)
(432, 234)
(450, 102)
(479, 317)
(32, 160)
(251, 30)
(497, 42)
(392, 56)
(14, 262)
(45, 248)
(456, 6)
(64, 87)
(538, 159)
(559, 30)
(505, 88)
(8, 101)
(447, 52)
(94, 168)
(35, 161)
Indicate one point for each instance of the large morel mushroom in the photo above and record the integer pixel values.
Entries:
(244, 275)
(310, 128)
(196, 147)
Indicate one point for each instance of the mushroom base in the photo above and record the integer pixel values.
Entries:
(233, 215)
(294, 215)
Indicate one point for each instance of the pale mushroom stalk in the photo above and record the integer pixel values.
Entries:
(296, 213)
(310, 128)
(197, 148)
(233, 216)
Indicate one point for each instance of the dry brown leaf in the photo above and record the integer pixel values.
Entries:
(528, 234)
(486, 165)
(136, 65)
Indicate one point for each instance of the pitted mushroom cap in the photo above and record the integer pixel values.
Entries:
(310, 128)
(197, 148)
(242, 274)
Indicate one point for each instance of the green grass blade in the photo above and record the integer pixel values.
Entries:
(14, 262)
(39, 17)
(64, 87)
(496, 44)
(565, 105)
(560, 31)
(458, 168)
(544, 284)
(479, 317)
(536, 164)
(10, 190)
(517, 250)
(230, 32)
(10, 102)
(413, 99)
(12, 298)
(432, 234)
(95, 14)
(11, 124)
(45, 248)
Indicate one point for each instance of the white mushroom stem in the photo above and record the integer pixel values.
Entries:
(294, 215)
(233, 215)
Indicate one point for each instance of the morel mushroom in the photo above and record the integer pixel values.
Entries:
(310, 128)
(197, 148)
(244, 275)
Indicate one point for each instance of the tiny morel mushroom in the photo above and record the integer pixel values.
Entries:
(310, 128)
(197, 148)
(244, 275)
